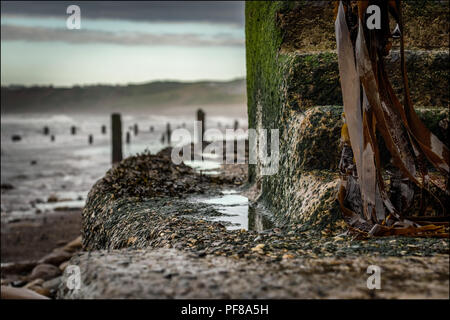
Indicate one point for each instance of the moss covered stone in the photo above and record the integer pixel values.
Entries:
(309, 25)
(293, 85)
(313, 78)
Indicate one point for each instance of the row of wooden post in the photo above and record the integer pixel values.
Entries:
(116, 133)
(73, 131)
(116, 125)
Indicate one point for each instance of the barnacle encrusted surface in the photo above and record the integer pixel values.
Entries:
(293, 85)
(121, 205)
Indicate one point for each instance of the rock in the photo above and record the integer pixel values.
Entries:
(52, 284)
(7, 186)
(56, 257)
(65, 208)
(52, 198)
(298, 92)
(115, 202)
(18, 283)
(63, 266)
(17, 267)
(19, 293)
(34, 283)
(44, 271)
(61, 243)
(74, 245)
(16, 138)
(259, 248)
(42, 291)
(33, 162)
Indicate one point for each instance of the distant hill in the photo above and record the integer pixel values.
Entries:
(16, 99)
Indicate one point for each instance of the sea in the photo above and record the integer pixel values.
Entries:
(39, 175)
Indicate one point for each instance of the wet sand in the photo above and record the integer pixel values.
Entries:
(32, 238)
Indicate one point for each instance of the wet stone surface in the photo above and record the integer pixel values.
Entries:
(181, 236)
(171, 273)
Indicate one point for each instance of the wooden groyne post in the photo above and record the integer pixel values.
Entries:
(103, 129)
(91, 139)
(168, 132)
(73, 130)
(116, 138)
(201, 118)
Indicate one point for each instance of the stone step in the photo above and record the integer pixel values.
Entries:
(309, 25)
(313, 78)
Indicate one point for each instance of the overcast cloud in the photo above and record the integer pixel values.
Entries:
(123, 38)
(185, 11)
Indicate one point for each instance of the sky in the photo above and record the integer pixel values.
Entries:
(121, 42)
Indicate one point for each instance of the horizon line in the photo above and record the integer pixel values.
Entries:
(17, 85)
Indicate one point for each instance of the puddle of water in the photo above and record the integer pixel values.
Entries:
(259, 219)
(237, 211)
(228, 200)
(200, 165)
(229, 192)
(50, 206)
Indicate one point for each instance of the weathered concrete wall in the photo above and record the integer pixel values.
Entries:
(313, 78)
(309, 25)
(293, 85)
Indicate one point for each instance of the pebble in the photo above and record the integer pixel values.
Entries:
(63, 266)
(19, 293)
(73, 245)
(44, 271)
(52, 284)
(56, 257)
(35, 282)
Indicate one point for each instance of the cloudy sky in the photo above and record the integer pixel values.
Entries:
(121, 42)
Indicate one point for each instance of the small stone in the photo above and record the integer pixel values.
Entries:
(131, 240)
(73, 245)
(35, 282)
(52, 198)
(259, 248)
(19, 293)
(63, 266)
(16, 138)
(52, 284)
(56, 257)
(44, 271)
(7, 186)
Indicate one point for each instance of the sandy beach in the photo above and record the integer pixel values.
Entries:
(34, 237)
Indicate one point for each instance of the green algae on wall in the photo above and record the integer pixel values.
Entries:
(313, 78)
(263, 39)
(293, 85)
(305, 188)
(309, 25)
